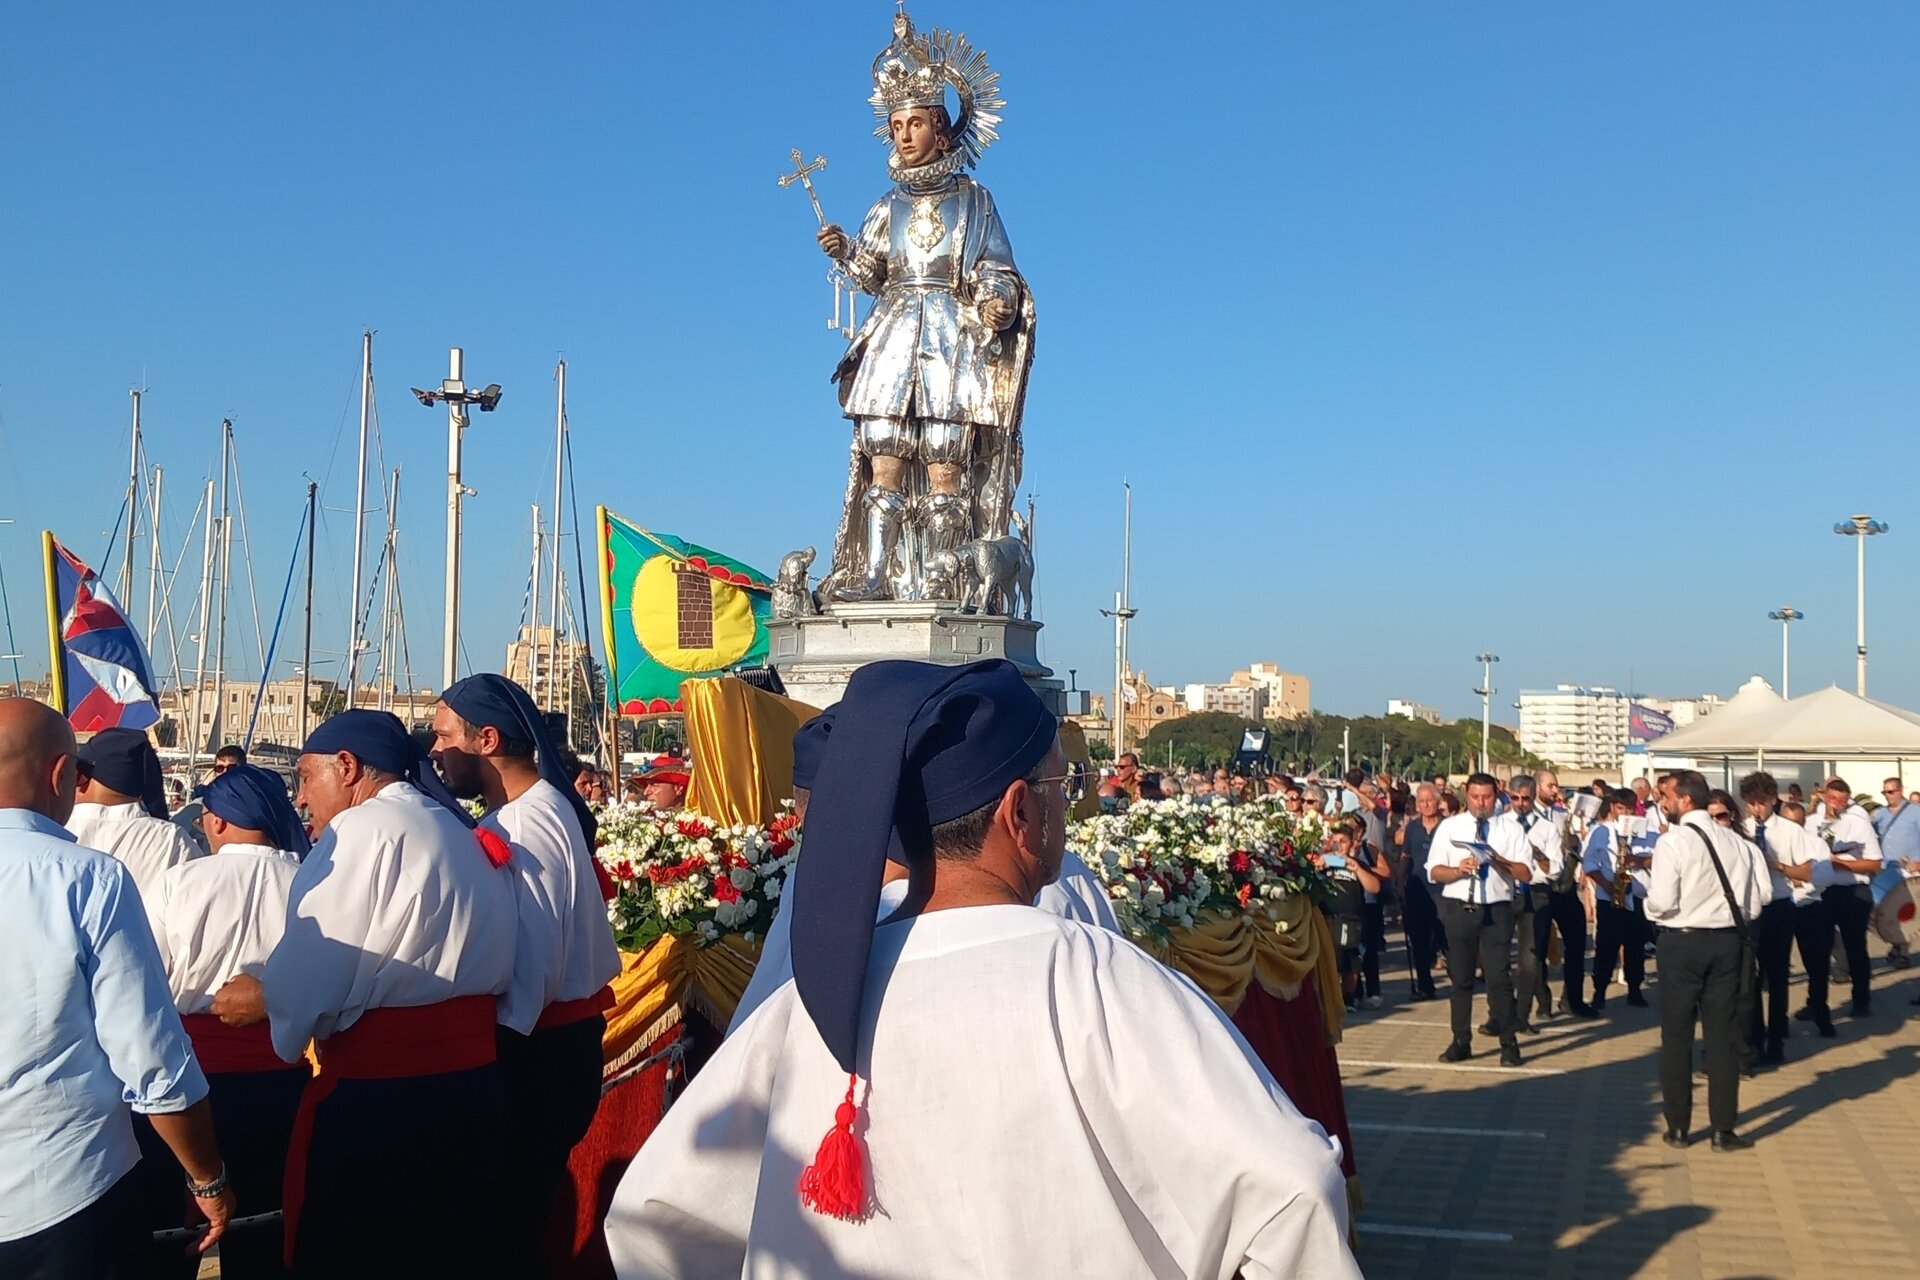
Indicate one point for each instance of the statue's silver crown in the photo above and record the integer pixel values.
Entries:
(917, 70)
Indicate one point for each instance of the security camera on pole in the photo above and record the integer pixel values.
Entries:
(454, 392)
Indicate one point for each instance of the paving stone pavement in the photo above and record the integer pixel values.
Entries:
(1557, 1170)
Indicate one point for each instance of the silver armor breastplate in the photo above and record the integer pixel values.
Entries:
(923, 241)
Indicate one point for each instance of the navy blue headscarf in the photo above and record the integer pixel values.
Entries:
(490, 699)
(256, 799)
(912, 745)
(124, 760)
(378, 739)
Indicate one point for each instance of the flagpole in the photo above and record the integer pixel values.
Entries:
(57, 675)
(601, 530)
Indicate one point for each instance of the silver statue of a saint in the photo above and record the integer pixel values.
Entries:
(935, 379)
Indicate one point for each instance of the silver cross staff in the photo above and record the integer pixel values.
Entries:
(842, 286)
(802, 174)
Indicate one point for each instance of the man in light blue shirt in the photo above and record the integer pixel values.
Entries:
(1897, 823)
(88, 1033)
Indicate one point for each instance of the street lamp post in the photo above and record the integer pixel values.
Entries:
(1486, 661)
(453, 390)
(1786, 615)
(1861, 527)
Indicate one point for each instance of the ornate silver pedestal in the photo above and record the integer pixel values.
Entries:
(816, 656)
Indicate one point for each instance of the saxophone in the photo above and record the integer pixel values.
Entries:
(1622, 873)
(1570, 850)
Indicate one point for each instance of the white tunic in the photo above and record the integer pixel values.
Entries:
(395, 906)
(217, 917)
(565, 948)
(1074, 895)
(146, 844)
(1046, 1100)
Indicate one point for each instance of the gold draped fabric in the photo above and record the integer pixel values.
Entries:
(1290, 946)
(741, 740)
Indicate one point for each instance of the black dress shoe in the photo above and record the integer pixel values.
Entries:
(1826, 1031)
(1774, 1054)
(1861, 1009)
(1675, 1138)
(1599, 1005)
(1728, 1140)
(1509, 1056)
(1528, 1029)
(1456, 1052)
(1488, 1029)
(1806, 1014)
(1637, 1000)
(1593, 1011)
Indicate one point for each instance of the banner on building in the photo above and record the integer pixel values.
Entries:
(1646, 724)
(101, 676)
(673, 610)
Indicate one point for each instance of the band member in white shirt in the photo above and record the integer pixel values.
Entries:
(1477, 859)
(1620, 927)
(121, 806)
(1848, 832)
(1774, 941)
(1708, 886)
(1801, 856)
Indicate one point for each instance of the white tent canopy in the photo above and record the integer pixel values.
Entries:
(1751, 700)
(1831, 724)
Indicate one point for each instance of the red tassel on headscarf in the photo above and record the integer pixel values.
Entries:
(498, 851)
(835, 1184)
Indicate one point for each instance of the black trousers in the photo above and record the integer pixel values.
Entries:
(552, 1084)
(1700, 983)
(1813, 934)
(1565, 912)
(1424, 940)
(1850, 906)
(104, 1241)
(1482, 935)
(1530, 926)
(1373, 940)
(408, 1178)
(1623, 941)
(252, 1119)
(1774, 936)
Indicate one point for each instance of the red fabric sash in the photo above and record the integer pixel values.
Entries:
(223, 1049)
(564, 1013)
(385, 1044)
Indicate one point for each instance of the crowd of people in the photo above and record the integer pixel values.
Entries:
(1492, 880)
(360, 1036)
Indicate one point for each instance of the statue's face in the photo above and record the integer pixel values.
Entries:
(918, 136)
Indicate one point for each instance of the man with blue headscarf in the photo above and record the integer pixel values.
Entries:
(490, 744)
(215, 917)
(1010, 1093)
(399, 941)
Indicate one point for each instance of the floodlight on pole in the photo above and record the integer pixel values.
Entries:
(1861, 527)
(1486, 692)
(453, 391)
(1786, 615)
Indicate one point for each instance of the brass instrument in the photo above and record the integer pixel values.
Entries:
(1570, 850)
(1622, 873)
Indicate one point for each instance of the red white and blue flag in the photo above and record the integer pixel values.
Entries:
(108, 682)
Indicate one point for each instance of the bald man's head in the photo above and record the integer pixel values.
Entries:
(36, 759)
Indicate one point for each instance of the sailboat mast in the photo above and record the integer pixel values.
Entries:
(225, 553)
(133, 511)
(200, 635)
(155, 570)
(306, 647)
(553, 610)
(359, 514)
(533, 600)
(389, 602)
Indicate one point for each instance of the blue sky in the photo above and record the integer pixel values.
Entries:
(1419, 329)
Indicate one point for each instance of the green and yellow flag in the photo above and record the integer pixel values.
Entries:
(672, 611)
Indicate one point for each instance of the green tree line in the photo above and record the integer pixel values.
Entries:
(1397, 743)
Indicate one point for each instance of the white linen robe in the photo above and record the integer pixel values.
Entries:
(1041, 1099)
(146, 844)
(219, 916)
